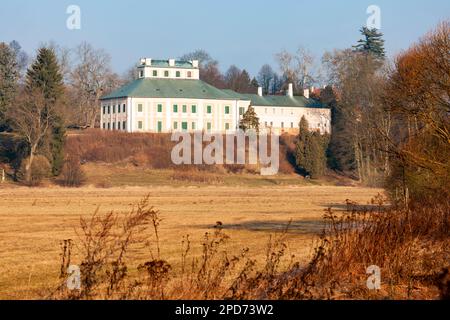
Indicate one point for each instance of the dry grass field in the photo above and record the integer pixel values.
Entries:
(34, 221)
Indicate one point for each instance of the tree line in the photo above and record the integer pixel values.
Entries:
(389, 117)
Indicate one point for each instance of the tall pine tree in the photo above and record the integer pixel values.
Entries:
(9, 75)
(44, 75)
(372, 43)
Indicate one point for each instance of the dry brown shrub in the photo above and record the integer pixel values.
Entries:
(409, 246)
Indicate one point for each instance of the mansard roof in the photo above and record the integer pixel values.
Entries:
(169, 88)
(197, 89)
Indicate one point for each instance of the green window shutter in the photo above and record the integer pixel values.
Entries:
(227, 110)
(155, 73)
(175, 108)
(241, 111)
(118, 125)
(140, 124)
(193, 126)
(124, 125)
(184, 109)
(227, 126)
(208, 126)
(178, 74)
(184, 126)
(139, 107)
(159, 126)
(166, 74)
(124, 108)
(104, 109)
(159, 107)
(175, 125)
(209, 109)
(194, 109)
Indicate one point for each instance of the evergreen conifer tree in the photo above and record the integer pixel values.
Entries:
(372, 43)
(44, 75)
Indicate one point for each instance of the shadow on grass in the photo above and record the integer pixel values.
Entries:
(299, 227)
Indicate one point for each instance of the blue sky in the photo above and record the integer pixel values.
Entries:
(246, 33)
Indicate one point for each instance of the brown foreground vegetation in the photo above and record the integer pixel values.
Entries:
(408, 245)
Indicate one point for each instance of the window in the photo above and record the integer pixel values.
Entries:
(193, 125)
(159, 126)
(292, 125)
(141, 74)
(265, 124)
(227, 110)
(104, 125)
(166, 74)
(124, 125)
(194, 109)
(271, 124)
(227, 126)
(241, 111)
(114, 126)
(118, 125)
(175, 108)
(178, 74)
(155, 73)
(282, 125)
(104, 109)
(184, 109)
(175, 125)
(208, 126)
(109, 109)
(209, 109)
(140, 125)
(139, 107)
(114, 108)
(189, 74)
(118, 108)
(184, 126)
(124, 108)
(159, 108)
(109, 126)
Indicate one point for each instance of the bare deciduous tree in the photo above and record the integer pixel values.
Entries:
(91, 78)
(32, 117)
(297, 67)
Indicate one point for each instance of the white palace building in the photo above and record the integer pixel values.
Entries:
(169, 96)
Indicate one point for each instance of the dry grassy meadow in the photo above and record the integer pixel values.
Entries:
(34, 221)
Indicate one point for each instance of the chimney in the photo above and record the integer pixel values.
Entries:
(194, 63)
(172, 62)
(290, 92)
(306, 93)
(260, 91)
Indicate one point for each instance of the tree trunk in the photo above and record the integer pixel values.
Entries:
(28, 167)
